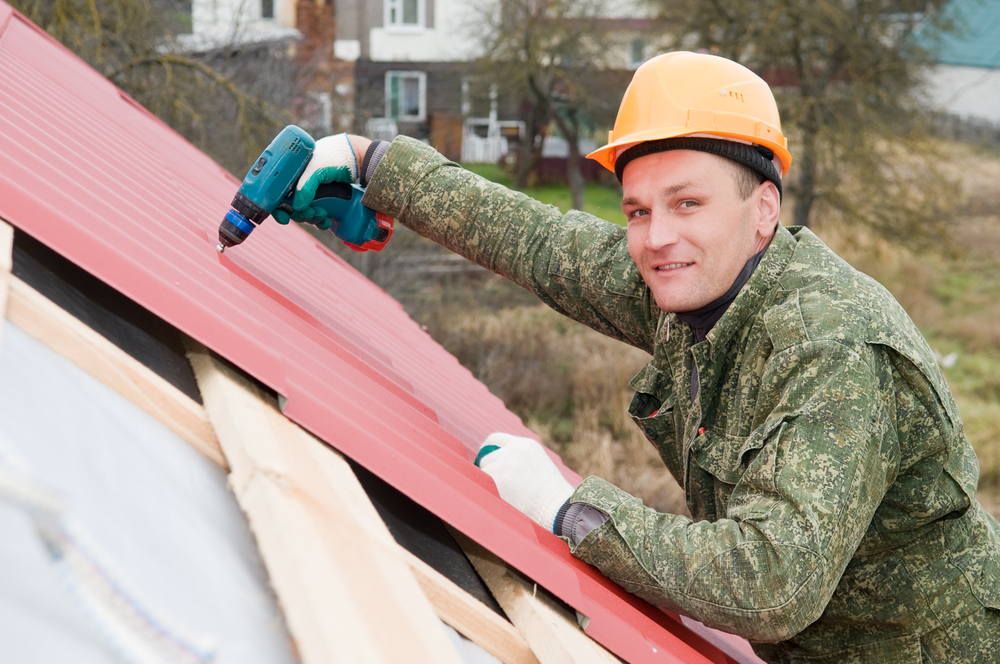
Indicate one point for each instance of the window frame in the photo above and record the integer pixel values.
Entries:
(421, 77)
(419, 26)
(637, 44)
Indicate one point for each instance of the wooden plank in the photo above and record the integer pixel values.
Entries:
(470, 617)
(347, 593)
(552, 633)
(6, 264)
(46, 321)
(6, 247)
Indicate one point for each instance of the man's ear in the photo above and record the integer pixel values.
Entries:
(768, 203)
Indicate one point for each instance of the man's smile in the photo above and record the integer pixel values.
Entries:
(671, 266)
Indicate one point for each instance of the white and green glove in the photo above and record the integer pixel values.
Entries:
(525, 476)
(333, 160)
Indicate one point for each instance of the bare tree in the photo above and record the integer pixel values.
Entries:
(227, 101)
(846, 74)
(550, 54)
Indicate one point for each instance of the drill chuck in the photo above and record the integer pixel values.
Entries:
(240, 221)
(234, 229)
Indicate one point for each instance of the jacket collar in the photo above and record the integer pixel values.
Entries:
(754, 294)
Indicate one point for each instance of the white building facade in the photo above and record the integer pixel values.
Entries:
(218, 22)
(966, 81)
(413, 69)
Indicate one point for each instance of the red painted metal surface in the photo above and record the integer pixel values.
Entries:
(97, 178)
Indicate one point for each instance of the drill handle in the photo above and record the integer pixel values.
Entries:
(360, 227)
(342, 190)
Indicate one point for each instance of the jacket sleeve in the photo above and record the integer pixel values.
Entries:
(812, 477)
(576, 263)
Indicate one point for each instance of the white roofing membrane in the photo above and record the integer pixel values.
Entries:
(156, 515)
(157, 510)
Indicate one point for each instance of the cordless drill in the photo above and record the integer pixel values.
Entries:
(270, 185)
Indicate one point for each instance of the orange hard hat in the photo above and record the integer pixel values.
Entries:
(685, 94)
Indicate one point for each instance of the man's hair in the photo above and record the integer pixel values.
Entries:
(747, 179)
(756, 158)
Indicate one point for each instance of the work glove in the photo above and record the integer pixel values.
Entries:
(333, 160)
(525, 476)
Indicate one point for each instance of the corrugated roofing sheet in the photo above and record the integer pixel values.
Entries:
(97, 178)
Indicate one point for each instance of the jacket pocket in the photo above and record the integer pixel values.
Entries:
(652, 410)
(652, 406)
(726, 457)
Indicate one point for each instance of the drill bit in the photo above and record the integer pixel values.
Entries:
(221, 248)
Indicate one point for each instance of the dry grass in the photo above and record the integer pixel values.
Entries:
(570, 385)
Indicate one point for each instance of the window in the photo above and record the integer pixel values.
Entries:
(405, 95)
(637, 53)
(404, 13)
(267, 8)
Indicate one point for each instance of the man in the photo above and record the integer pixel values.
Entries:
(822, 455)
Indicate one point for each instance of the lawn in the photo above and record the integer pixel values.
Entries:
(603, 202)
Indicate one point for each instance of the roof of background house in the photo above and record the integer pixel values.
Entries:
(104, 183)
(976, 43)
(207, 42)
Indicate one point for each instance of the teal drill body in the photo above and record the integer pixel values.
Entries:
(270, 184)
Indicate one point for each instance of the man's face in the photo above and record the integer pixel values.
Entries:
(689, 231)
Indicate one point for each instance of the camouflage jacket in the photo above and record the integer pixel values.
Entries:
(823, 458)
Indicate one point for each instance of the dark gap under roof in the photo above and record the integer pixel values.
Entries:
(425, 536)
(140, 333)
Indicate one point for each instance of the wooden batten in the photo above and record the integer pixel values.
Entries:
(6, 263)
(347, 594)
(552, 634)
(469, 616)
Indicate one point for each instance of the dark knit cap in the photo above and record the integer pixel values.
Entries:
(756, 157)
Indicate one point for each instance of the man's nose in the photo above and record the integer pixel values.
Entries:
(662, 233)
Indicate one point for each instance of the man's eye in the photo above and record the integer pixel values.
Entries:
(637, 213)
(689, 204)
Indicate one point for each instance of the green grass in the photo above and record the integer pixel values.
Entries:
(600, 201)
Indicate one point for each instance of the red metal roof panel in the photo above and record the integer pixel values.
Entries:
(98, 179)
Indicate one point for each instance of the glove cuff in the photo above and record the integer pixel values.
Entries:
(557, 523)
(575, 521)
(547, 509)
(373, 156)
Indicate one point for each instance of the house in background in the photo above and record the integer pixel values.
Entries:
(397, 66)
(964, 86)
(414, 72)
(216, 23)
(299, 33)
